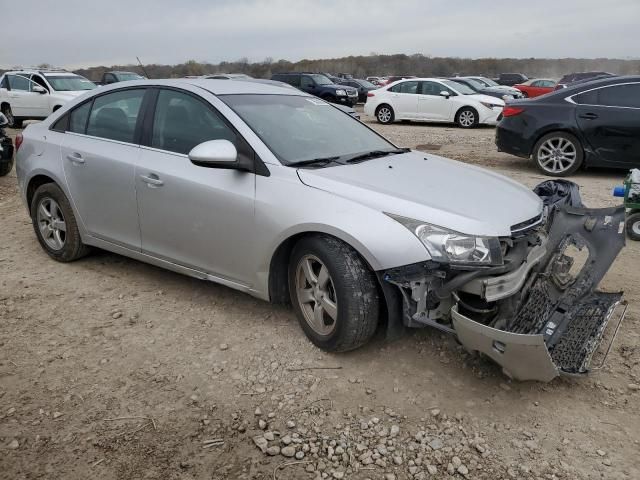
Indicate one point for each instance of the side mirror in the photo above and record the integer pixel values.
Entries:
(445, 94)
(217, 154)
(38, 89)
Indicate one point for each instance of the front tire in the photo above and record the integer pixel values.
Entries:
(55, 224)
(333, 293)
(558, 154)
(384, 114)
(633, 226)
(467, 117)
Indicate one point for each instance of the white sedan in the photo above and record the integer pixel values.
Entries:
(432, 100)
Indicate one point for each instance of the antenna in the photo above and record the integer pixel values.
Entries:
(142, 67)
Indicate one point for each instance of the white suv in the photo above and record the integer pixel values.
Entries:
(34, 94)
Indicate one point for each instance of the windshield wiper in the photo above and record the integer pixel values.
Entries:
(314, 161)
(377, 154)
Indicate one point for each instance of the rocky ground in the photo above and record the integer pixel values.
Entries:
(113, 369)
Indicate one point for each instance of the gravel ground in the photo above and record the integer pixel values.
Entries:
(114, 369)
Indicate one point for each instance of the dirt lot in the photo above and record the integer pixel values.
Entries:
(113, 369)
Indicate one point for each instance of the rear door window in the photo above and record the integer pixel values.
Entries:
(182, 121)
(405, 87)
(114, 115)
(78, 119)
(19, 82)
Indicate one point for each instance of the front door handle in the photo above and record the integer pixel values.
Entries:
(589, 116)
(152, 180)
(75, 158)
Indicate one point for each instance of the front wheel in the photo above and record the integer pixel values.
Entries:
(467, 117)
(558, 154)
(55, 224)
(333, 293)
(633, 226)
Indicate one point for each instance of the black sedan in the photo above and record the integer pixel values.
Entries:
(594, 123)
(363, 87)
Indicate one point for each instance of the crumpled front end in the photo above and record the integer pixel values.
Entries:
(540, 314)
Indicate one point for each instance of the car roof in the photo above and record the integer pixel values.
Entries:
(215, 86)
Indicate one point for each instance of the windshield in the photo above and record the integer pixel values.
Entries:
(299, 128)
(366, 84)
(487, 81)
(128, 76)
(475, 84)
(70, 83)
(458, 87)
(321, 79)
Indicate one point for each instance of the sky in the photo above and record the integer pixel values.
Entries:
(81, 33)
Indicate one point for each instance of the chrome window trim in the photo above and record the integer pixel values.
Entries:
(571, 100)
(93, 137)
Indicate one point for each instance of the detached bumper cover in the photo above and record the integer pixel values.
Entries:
(560, 320)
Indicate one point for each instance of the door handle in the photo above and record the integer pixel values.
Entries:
(589, 116)
(152, 180)
(75, 158)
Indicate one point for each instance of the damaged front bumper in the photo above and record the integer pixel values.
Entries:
(541, 318)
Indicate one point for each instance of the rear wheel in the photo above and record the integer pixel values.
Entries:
(558, 154)
(467, 117)
(385, 114)
(633, 226)
(333, 293)
(55, 224)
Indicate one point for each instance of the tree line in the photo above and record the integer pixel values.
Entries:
(380, 65)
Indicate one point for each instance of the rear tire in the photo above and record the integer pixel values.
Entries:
(467, 117)
(333, 293)
(558, 154)
(55, 224)
(633, 226)
(384, 114)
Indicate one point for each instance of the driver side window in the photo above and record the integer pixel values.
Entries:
(182, 121)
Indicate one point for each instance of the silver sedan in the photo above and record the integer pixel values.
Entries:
(279, 194)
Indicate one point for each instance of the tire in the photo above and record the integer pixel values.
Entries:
(5, 167)
(525, 95)
(467, 117)
(51, 207)
(558, 154)
(633, 226)
(349, 287)
(13, 122)
(384, 114)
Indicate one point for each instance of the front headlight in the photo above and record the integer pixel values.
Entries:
(453, 247)
(490, 106)
(341, 93)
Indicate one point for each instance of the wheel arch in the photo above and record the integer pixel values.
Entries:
(558, 129)
(36, 182)
(463, 107)
(4, 105)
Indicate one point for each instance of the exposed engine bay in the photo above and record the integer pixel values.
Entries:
(538, 315)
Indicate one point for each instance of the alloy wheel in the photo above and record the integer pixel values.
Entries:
(384, 115)
(557, 155)
(51, 223)
(316, 295)
(467, 118)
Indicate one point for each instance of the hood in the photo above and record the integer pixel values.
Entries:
(481, 97)
(432, 189)
(503, 90)
(70, 95)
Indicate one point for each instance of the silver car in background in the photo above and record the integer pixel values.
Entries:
(279, 194)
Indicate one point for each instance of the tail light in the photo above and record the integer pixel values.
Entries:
(509, 111)
(371, 94)
(18, 141)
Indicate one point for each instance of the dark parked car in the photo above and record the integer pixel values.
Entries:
(114, 77)
(362, 86)
(581, 77)
(319, 85)
(511, 79)
(594, 123)
(500, 91)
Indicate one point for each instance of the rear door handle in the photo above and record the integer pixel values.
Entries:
(152, 180)
(75, 158)
(588, 116)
